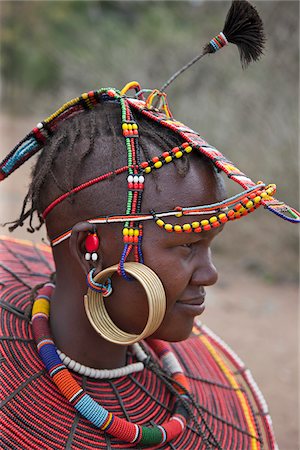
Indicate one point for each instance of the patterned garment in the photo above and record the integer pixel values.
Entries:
(35, 416)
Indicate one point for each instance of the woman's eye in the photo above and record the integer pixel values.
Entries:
(187, 245)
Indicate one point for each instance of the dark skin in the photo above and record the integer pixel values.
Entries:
(182, 262)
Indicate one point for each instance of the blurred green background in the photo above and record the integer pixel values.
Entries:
(53, 50)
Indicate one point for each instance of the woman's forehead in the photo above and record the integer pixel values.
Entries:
(201, 185)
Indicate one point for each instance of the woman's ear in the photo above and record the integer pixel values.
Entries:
(84, 246)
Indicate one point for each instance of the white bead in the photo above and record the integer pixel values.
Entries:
(67, 360)
(87, 256)
(135, 179)
(87, 371)
(77, 367)
(141, 179)
(39, 125)
(94, 256)
(130, 179)
(71, 364)
(81, 370)
(93, 372)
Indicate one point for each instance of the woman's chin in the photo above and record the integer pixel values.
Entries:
(174, 332)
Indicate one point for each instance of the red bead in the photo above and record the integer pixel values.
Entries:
(238, 206)
(197, 230)
(144, 164)
(185, 145)
(155, 159)
(175, 149)
(165, 154)
(216, 224)
(92, 243)
(207, 227)
(224, 219)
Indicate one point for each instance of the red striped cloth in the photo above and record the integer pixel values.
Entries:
(35, 416)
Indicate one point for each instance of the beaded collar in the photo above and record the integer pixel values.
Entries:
(89, 408)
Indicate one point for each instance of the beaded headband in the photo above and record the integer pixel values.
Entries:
(155, 108)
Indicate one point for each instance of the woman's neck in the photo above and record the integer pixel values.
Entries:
(73, 333)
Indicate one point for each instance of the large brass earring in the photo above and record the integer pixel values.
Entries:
(99, 317)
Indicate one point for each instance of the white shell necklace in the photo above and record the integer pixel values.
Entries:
(106, 373)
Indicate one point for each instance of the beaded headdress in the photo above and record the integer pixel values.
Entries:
(243, 27)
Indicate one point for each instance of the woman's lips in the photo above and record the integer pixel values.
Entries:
(193, 306)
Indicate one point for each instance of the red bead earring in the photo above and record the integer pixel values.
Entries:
(91, 246)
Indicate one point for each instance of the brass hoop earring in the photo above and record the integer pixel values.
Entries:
(101, 321)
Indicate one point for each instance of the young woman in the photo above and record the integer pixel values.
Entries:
(132, 200)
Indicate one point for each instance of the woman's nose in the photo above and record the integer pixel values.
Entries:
(205, 273)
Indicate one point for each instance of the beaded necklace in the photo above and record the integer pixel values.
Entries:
(105, 373)
(89, 408)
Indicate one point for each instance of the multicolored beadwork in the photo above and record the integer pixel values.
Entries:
(89, 408)
(105, 289)
(91, 245)
(230, 209)
(218, 42)
(155, 108)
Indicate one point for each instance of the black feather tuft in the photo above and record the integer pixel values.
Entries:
(244, 28)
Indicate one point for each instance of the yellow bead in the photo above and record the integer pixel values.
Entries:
(130, 231)
(249, 204)
(204, 222)
(242, 210)
(213, 219)
(84, 96)
(129, 127)
(158, 164)
(136, 233)
(186, 227)
(124, 126)
(179, 214)
(257, 199)
(41, 305)
(125, 231)
(222, 216)
(195, 224)
(148, 169)
(188, 149)
(168, 159)
(178, 154)
(177, 228)
(160, 223)
(168, 227)
(270, 191)
(134, 126)
(264, 195)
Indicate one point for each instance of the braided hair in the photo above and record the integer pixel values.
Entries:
(77, 141)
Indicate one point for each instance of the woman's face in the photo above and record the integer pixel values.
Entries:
(181, 260)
